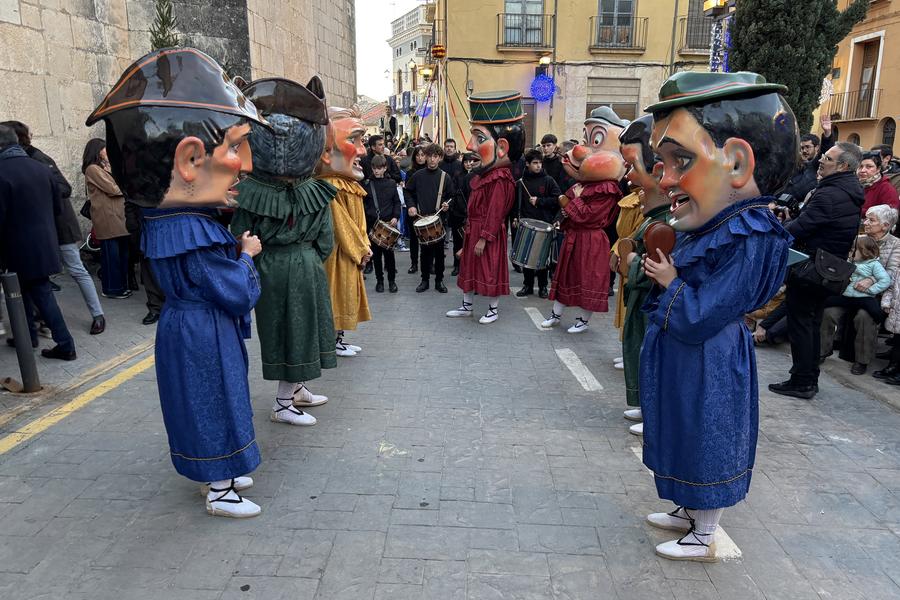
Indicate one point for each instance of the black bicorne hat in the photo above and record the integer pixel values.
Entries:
(275, 95)
(176, 78)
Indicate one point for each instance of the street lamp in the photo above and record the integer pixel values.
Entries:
(426, 74)
(411, 65)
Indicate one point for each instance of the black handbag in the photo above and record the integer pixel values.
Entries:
(86, 210)
(826, 270)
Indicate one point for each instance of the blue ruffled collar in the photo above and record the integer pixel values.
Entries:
(170, 232)
(740, 219)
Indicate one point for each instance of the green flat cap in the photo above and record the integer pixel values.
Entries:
(495, 107)
(604, 114)
(689, 87)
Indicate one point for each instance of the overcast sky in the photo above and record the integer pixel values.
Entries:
(373, 55)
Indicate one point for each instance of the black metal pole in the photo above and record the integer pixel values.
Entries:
(19, 327)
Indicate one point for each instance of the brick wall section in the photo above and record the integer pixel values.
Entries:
(302, 38)
(60, 57)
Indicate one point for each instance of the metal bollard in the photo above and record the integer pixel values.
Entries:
(19, 327)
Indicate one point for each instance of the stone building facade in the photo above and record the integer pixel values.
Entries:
(58, 58)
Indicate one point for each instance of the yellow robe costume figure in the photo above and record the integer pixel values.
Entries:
(351, 243)
(630, 218)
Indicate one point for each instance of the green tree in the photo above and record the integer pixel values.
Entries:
(792, 43)
(162, 32)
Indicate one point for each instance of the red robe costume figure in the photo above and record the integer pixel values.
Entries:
(498, 137)
(589, 206)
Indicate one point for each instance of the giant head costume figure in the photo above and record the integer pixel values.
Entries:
(343, 145)
(498, 130)
(643, 167)
(723, 137)
(177, 131)
(597, 158)
(293, 142)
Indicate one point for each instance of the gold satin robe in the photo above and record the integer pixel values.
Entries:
(630, 218)
(351, 243)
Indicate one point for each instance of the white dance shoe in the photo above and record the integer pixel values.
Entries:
(677, 520)
(304, 398)
(636, 429)
(580, 326)
(490, 316)
(693, 547)
(284, 412)
(463, 311)
(551, 321)
(634, 414)
(224, 501)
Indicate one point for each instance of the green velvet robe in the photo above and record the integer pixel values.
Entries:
(293, 315)
(637, 287)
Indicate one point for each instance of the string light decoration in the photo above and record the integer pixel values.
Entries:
(720, 44)
(542, 88)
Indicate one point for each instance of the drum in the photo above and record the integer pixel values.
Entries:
(384, 236)
(531, 248)
(429, 230)
(558, 238)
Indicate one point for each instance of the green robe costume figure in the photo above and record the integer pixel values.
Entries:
(293, 315)
(637, 286)
(289, 211)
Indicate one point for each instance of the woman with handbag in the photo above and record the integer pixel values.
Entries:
(108, 217)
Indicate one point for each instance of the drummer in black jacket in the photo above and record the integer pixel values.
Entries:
(382, 202)
(422, 191)
(459, 208)
(537, 197)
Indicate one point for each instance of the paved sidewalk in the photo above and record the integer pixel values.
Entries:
(454, 461)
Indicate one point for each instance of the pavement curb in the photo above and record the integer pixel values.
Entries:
(839, 370)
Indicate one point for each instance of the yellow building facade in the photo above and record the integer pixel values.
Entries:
(598, 52)
(866, 78)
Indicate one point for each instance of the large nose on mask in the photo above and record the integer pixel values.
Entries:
(246, 157)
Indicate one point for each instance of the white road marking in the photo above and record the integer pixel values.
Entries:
(536, 317)
(581, 372)
(726, 549)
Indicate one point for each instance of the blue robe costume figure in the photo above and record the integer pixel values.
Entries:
(699, 391)
(201, 360)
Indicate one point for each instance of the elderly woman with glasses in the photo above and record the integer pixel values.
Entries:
(859, 332)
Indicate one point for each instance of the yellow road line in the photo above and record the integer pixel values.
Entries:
(83, 379)
(80, 401)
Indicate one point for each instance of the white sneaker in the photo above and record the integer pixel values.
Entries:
(636, 429)
(490, 316)
(551, 321)
(352, 348)
(618, 359)
(227, 503)
(284, 412)
(580, 326)
(342, 350)
(463, 311)
(634, 414)
(677, 520)
(240, 484)
(619, 366)
(304, 398)
(691, 547)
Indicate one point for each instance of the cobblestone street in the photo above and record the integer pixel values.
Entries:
(453, 461)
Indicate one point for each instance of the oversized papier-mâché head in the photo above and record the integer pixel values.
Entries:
(298, 121)
(643, 168)
(344, 147)
(723, 138)
(177, 130)
(597, 158)
(498, 128)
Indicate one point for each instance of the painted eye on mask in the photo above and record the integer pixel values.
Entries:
(683, 163)
(598, 138)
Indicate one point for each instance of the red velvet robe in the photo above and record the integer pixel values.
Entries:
(582, 274)
(489, 203)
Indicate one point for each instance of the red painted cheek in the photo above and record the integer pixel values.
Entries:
(348, 151)
(486, 152)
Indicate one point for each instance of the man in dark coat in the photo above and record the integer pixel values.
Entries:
(29, 203)
(553, 163)
(830, 221)
(68, 230)
(537, 197)
(451, 164)
(806, 178)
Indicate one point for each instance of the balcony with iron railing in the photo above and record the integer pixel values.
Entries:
(519, 31)
(853, 106)
(695, 35)
(618, 33)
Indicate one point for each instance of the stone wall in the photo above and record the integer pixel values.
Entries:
(58, 58)
(303, 38)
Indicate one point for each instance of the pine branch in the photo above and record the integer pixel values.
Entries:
(162, 32)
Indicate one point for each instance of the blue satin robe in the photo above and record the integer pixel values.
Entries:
(201, 360)
(698, 380)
